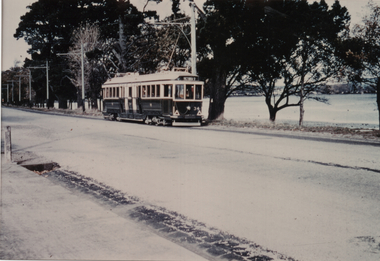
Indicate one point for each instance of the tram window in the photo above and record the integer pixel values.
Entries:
(144, 91)
(168, 90)
(130, 92)
(189, 91)
(153, 90)
(179, 91)
(198, 92)
(117, 91)
(158, 90)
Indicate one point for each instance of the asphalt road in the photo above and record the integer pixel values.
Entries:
(308, 199)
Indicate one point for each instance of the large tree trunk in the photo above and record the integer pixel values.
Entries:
(272, 110)
(217, 86)
(302, 110)
(272, 113)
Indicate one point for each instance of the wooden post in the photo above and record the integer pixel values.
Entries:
(8, 144)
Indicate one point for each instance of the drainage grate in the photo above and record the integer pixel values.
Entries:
(42, 167)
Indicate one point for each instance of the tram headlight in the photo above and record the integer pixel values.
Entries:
(188, 108)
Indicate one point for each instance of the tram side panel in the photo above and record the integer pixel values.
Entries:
(151, 108)
(113, 107)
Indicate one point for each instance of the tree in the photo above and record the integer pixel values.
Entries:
(221, 41)
(49, 24)
(87, 44)
(255, 44)
(364, 53)
(302, 55)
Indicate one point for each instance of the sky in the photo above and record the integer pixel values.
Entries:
(13, 50)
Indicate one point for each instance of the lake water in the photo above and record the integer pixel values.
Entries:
(349, 110)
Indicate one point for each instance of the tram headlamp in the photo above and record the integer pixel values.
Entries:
(188, 108)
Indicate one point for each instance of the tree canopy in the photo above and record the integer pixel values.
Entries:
(49, 25)
(256, 44)
(362, 51)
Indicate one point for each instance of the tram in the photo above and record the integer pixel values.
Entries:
(164, 98)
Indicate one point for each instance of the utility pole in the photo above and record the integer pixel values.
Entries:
(19, 89)
(7, 92)
(19, 85)
(122, 45)
(193, 40)
(12, 89)
(82, 68)
(47, 81)
(30, 86)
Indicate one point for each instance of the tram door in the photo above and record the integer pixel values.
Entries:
(136, 100)
(130, 99)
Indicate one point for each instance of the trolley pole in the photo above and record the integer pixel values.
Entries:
(192, 43)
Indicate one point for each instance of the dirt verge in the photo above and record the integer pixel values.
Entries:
(368, 134)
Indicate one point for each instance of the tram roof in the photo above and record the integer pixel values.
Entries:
(160, 76)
